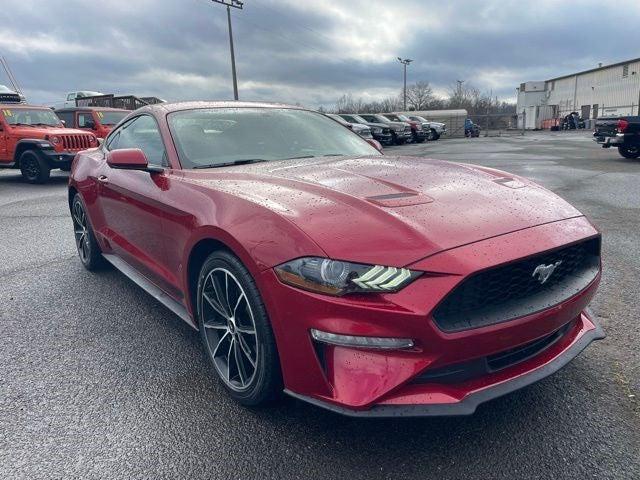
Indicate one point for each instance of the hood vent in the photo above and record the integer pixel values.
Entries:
(400, 199)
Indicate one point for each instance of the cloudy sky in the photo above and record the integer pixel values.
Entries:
(306, 51)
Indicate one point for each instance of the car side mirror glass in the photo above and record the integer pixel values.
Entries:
(128, 159)
(375, 144)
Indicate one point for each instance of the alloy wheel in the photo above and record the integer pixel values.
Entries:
(81, 232)
(229, 329)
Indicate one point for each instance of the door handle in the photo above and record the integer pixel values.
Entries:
(103, 179)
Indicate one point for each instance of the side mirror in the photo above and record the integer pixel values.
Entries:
(130, 159)
(64, 123)
(375, 144)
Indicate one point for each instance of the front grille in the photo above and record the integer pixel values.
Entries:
(76, 142)
(511, 291)
(407, 129)
(386, 131)
(461, 372)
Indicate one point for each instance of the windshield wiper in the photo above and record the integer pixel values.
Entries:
(229, 164)
(318, 156)
(18, 124)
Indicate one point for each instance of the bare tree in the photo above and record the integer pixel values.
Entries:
(419, 96)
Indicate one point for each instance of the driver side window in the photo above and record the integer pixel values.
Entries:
(141, 132)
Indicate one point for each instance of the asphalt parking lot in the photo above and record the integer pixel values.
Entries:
(97, 380)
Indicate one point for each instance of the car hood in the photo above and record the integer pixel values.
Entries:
(22, 131)
(391, 210)
(379, 125)
(398, 125)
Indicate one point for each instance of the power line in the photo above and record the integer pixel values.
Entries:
(295, 22)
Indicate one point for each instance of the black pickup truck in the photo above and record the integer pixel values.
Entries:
(621, 132)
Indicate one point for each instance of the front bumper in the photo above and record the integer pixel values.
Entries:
(582, 334)
(57, 159)
(419, 135)
(370, 382)
(383, 138)
(403, 134)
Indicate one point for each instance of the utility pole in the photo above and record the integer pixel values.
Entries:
(235, 4)
(405, 62)
(460, 82)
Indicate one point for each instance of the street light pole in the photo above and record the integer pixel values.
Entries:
(405, 62)
(235, 4)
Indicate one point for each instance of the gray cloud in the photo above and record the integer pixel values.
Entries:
(309, 52)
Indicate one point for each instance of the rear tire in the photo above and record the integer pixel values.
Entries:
(236, 332)
(33, 168)
(629, 152)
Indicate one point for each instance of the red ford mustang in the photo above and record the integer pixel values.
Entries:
(366, 284)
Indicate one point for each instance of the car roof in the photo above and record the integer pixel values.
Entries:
(181, 106)
(23, 105)
(93, 109)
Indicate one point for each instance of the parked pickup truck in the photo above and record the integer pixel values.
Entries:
(620, 132)
(34, 140)
(96, 120)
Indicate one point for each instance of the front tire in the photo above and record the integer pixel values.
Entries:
(86, 243)
(236, 332)
(629, 152)
(33, 168)
(433, 135)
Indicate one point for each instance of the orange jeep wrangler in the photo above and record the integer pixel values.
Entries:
(97, 120)
(34, 140)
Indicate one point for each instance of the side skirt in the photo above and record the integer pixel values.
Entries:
(143, 282)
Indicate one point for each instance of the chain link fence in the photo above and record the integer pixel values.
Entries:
(498, 124)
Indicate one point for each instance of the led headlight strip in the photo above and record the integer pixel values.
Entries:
(383, 278)
(335, 277)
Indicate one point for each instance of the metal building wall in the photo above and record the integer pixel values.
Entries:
(614, 93)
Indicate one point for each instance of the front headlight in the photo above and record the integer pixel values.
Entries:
(376, 130)
(334, 277)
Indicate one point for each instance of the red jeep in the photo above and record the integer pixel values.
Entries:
(34, 140)
(97, 120)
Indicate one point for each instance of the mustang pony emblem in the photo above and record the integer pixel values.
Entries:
(543, 272)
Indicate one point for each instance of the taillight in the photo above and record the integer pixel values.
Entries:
(622, 125)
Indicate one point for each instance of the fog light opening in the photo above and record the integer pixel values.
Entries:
(381, 343)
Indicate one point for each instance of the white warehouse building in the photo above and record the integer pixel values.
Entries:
(610, 90)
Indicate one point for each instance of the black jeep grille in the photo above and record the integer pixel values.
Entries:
(511, 291)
